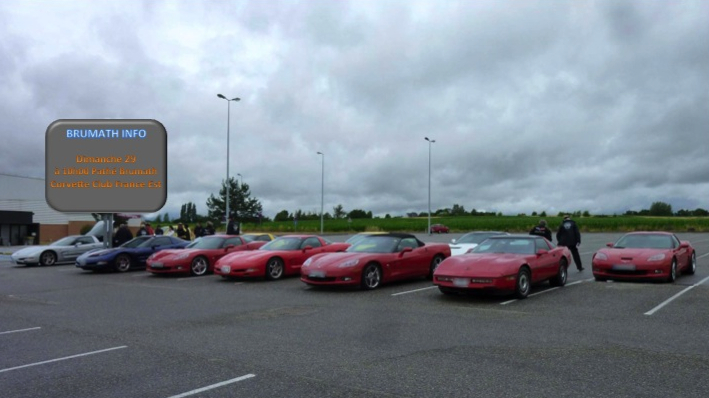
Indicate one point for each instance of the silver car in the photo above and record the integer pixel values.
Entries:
(65, 250)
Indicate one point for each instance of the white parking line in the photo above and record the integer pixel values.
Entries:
(199, 390)
(669, 300)
(547, 291)
(189, 278)
(20, 330)
(414, 291)
(702, 256)
(62, 359)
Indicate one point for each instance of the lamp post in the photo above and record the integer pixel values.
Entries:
(241, 179)
(429, 183)
(228, 115)
(322, 194)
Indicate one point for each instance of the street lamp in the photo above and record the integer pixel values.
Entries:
(429, 183)
(241, 178)
(322, 194)
(228, 115)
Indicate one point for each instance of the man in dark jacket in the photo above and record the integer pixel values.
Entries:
(230, 228)
(198, 230)
(568, 235)
(122, 236)
(209, 229)
(541, 229)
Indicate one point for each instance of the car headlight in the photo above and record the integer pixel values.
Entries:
(308, 262)
(182, 256)
(347, 264)
(657, 257)
(600, 256)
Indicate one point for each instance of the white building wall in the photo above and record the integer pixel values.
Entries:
(27, 194)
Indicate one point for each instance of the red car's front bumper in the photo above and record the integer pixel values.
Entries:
(646, 271)
(175, 267)
(504, 284)
(344, 276)
(239, 271)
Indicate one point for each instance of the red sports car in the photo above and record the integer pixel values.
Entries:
(279, 257)
(376, 259)
(645, 255)
(508, 263)
(199, 257)
(439, 229)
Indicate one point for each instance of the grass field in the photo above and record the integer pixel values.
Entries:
(495, 223)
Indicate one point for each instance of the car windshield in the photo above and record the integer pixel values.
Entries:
(476, 237)
(207, 243)
(136, 241)
(283, 244)
(249, 238)
(375, 244)
(506, 245)
(644, 241)
(67, 241)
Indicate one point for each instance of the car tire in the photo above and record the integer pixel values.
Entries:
(199, 266)
(123, 263)
(692, 267)
(48, 258)
(562, 275)
(435, 262)
(673, 272)
(523, 283)
(274, 269)
(446, 290)
(371, 277)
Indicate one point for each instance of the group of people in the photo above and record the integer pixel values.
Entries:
(567, 235)
(123, 234)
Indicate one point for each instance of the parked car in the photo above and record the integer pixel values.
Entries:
(63, 251)
(198, 258)
(375, 259)
(129, 255)
(439, 229)
(258, 236)
(645, 255)
(507, 264)
(277, 258)
(470, 240)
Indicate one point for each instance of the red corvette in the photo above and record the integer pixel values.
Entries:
(279, 257)
(199, 257)
(376, 259)
(507, 263)
(645, 255)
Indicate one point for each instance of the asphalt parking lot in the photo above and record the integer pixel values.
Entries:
(69, 333)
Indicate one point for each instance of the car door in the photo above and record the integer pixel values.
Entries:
(682, 254)
(407, 264)
(299, 256)
(545, 265)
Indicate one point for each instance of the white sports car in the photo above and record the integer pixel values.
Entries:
(65, 250)
(470, 241)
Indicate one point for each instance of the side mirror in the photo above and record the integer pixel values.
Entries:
(306, 248)
(683, 245)
(609, 244)
(452, 240)
(542, 252)
(226, 249)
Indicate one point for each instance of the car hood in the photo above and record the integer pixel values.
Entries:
(102, 252)
(481, 264)
(170, 253)
(333, 260)
(29, 251)
(252, 255)
(631, 253)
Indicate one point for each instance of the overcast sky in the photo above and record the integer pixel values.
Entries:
(534, 105)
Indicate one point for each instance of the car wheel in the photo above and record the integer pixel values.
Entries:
(48, 258)
(437, 260)
(274, 269)
(371, 277)
(524, 284)
(199, 266)
(692, 267)
(446, 290)
(123, 263)
(673, 271)
(560, 278)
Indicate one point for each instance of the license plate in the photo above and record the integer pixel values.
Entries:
(624, 267)
(461, 282)
(156, 265)
(226, 269)
(316, 274)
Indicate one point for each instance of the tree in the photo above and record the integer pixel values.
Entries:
(282, 216)
(457, 210)
(357, 213)
(241, 204)
(338, 212)
(188, 212)
(660, 209)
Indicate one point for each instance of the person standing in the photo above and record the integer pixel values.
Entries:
(159, 230)
(142, 231)
(149, 228)
(541, 229)
(568, 235)
(122, 235)
(170, 231)
(181, 232)
(230, 230)
(209, 229)
(198, 230)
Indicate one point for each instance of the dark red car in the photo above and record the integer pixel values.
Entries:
(439, 229)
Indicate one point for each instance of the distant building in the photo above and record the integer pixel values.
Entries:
(24, 211)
